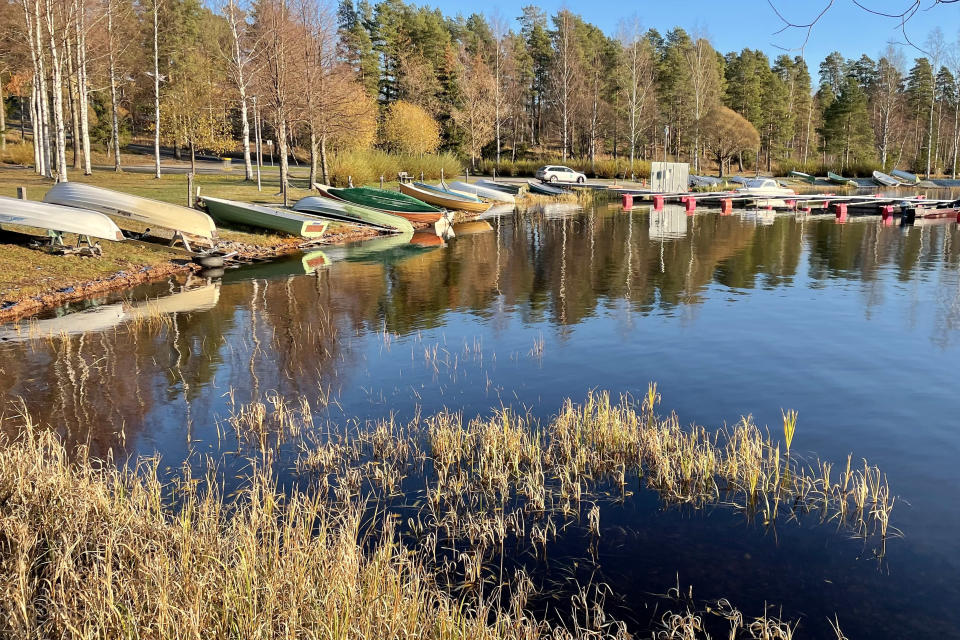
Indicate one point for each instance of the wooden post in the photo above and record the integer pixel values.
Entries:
(381, 181)
(441, 176)
(190, 190)
(22, 193)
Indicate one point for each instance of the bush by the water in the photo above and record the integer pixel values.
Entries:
(605, 168)
(366, 167)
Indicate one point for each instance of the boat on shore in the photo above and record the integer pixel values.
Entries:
(704, 181)
(506, 187)
(59, 219)
(838, 179)
(482, 191)
(885, 180)
(442, 199)
(264, 217)
(347, 212)
(803, 176)
(905, 177)
(544, 189)
(392, 202)
(187, 222)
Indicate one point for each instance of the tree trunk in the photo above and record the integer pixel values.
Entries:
(156, 89)
(238, 62)
(3, 118)
(956, 137)
(313, 156)
(284, 165)
(193, 158)
(114, 118)
(933, 102)
(324, 172)
(82, 89)
(72, 101)
(57, 89)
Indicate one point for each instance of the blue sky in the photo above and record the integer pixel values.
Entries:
(752, 23)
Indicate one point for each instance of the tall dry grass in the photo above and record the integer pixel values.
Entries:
(88, 550)
(365, 167)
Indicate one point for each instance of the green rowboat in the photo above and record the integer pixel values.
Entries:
(838, 179)
(803, 176)
(341, 211)
(263, 217)
(382, 199)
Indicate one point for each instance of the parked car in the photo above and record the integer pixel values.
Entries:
(556, 173)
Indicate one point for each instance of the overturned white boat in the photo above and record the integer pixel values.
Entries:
(488, 193)
(188, 223)
(51, 217)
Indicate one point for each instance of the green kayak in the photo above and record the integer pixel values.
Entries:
(341, 211)
(263, 217)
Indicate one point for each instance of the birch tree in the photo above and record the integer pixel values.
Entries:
(155, 11)
(239, 59)
(705, 82)
(80, 25)
(53, 32)
(886, 98)
(636, 79)
(564, 70)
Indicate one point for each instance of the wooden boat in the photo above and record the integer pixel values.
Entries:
(447, 191)
(260, 216)
(838, 179)
(505, 187)
(884, 180)
(903, 176)
(52, 217)
(392, 202)
(187, 222)
(545, 189)
(340, 211)
(446, 200)
(804, 176)
(482, 191)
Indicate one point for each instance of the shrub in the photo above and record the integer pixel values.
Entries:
(366, 167)
(18, 153)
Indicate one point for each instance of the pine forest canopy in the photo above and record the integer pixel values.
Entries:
(322, 80)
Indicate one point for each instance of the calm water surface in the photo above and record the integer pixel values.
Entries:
(856, 326)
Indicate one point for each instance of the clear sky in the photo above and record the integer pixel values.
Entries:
(737, 24)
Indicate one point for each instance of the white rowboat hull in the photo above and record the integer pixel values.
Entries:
(40, 215)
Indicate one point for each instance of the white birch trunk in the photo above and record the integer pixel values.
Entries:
(156, 88)
(114, 118)
(57, 89)
(82, 89)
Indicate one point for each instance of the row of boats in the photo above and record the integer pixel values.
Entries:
(93, 212)
(895, 178)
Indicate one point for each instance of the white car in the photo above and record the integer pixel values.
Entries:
(556, 173)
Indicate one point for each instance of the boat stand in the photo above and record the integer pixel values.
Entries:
(85, 245)
(179, 237)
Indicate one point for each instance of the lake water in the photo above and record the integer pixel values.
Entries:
(856, 326)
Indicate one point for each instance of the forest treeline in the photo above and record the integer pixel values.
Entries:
(359, 80)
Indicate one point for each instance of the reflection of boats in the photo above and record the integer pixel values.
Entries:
(393, 202)
(884, 180)
(123, 205)
(256, 215)
(498, 210)
(426, 239)
(186, 301)
(341, 211)
(41, 215)
(670, 223)
(544, 189)
(558, 210)
(472, 227)
(313, 261)
(111, 315)
(440, 198)
(89, 321)
(483, 191)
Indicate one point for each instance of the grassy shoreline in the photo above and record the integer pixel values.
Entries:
(31, 280)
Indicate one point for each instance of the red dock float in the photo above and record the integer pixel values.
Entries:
(657, 202)
(726, 206)
(886, 211)
(691, 204)
(841, 210)
(627, 201)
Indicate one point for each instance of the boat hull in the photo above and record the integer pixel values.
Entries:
(447, 201)
(41, 215)
(884, 180)
(427, 217)
(263, 217)
(545, 190)
(838, 179)
(341, 211)
(512, 189)
(144, 210)
(481, 191)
